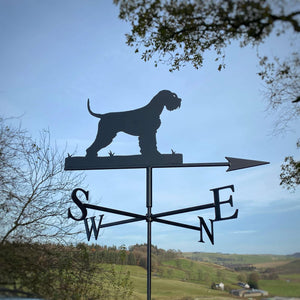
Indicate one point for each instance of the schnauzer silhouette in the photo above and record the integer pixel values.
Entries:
(142, 122)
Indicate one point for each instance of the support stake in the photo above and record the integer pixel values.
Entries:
(149, 221)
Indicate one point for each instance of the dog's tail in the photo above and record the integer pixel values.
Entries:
(91, 112)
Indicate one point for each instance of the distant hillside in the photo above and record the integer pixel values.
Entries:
(295, 255)
(182, 278)
(194, 271)
(234, 259)
(292, 267)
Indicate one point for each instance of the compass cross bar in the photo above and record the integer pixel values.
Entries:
(183, 210)
(115, 211)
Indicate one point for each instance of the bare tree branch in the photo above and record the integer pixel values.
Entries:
(35, 189)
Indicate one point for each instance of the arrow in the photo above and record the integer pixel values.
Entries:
(83, 163)
(239, 163)
(232, 164)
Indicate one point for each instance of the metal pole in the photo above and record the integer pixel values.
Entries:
(149, 221)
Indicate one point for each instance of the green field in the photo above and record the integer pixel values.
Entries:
(163, 288)
(221, 258)
(200, 272)
(288, 284)
(282, 287)
(83, 272)
(185, 279)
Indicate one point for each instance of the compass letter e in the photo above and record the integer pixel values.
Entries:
(218, 203)
(218, 216)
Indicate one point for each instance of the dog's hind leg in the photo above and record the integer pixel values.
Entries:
(104, 138)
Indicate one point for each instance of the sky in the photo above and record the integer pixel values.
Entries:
(56, 54)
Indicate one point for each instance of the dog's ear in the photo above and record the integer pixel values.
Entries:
(163, 94)
(157, 97)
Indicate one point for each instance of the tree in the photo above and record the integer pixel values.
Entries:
(290, 172)
(242, 277)
(61, 272)
(184, 30)
(180, 32)
(253, 279)
(282, 82)
(35, 190)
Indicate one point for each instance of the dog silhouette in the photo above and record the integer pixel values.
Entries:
(142, 122)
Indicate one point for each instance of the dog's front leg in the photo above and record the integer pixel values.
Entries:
(147, 143)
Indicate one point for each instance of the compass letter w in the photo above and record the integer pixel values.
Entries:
(93, 227)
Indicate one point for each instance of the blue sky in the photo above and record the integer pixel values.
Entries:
(56, 54)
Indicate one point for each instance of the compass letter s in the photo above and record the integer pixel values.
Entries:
(79, 204)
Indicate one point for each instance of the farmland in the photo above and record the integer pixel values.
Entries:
(183, 278)
(101, 272)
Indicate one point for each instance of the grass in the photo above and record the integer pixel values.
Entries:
(281, 287)
(193, 271)
(273, 264)
(291, 277)
(292, 267)
(184, 279)
(171, 281)
(174, 289)
(222, 258)
(288, 284)
(163, 288)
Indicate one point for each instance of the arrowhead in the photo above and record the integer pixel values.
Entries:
(239, 163)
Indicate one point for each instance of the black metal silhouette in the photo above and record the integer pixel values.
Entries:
(232, 164)
(142, 122)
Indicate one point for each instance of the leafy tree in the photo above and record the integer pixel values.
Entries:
(282, 81)
(184, 30)
(242, 277)
(253, 279)
(122, 254)
(290, 172)
(61, 272)
(180, 32)
(131, 259)
(35, 190)
(213, 286)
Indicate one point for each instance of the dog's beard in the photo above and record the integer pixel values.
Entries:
(173, 105)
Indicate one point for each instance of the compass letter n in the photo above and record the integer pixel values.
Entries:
(210, 234)
(218, 216)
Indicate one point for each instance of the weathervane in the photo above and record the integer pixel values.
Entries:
(144, 123)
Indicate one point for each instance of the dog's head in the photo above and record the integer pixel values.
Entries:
(169, 99)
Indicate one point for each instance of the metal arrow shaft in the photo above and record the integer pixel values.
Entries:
(176, 224)
(122, 222)
(155, 217)
(114, 211)
(232, 164)
(183, 210)
(194, 165)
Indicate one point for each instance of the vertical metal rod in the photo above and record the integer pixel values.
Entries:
(149, 221)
